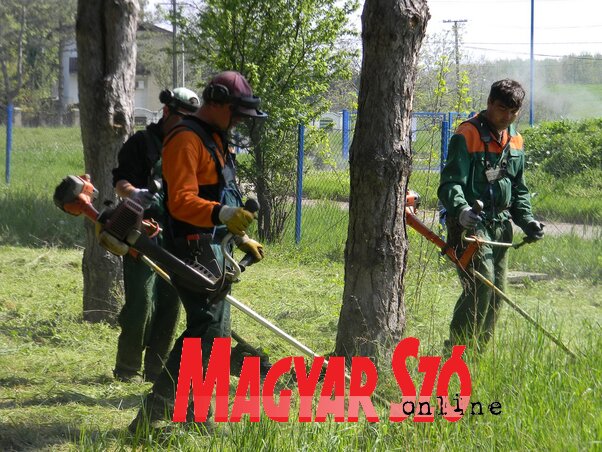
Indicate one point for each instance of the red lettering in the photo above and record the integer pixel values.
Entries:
(334, 381)
(360, 395)
(407, 347)
(455, 365)
(217, 376)
(306, 383)
(277, 412)
(248, 383)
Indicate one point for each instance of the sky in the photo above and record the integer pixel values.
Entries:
(500, 29)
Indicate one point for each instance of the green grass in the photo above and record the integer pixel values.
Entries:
(56, 390)
(41, 158)
(573, 199)
(578, 101)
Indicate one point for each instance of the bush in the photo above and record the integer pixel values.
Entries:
(565, 148)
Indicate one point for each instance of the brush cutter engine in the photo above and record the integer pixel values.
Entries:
(122, 229)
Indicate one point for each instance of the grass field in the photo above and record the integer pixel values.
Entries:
(576, 101)
(56, 390)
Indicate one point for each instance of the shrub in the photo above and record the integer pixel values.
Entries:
(565, 148)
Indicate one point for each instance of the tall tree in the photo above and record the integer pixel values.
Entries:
(288, 51)
(373, 313)
(106, 48)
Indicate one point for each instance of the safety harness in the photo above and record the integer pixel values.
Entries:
(227, 191)
(493, 171)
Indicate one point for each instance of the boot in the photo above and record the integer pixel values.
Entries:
(155, 413)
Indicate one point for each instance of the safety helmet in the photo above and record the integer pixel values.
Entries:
(181, 99)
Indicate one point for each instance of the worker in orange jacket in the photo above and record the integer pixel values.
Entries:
(203, 204)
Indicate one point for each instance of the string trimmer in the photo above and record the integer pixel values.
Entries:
(121, 230)
(463, 262)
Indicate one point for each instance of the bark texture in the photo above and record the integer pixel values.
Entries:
(106, 48)
(372, 317)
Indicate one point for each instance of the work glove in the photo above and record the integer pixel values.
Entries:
(468, 219)
(142, 196)
(534, 231)
(247, 245)
(236, 219)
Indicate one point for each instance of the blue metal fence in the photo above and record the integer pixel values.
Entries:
(323, 177)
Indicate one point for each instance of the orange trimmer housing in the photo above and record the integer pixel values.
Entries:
(412, 203)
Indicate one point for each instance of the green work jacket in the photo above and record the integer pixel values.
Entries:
(472, 150)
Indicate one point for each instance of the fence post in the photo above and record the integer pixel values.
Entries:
(444, 142)
(346, 135)
(300, 152)
(9, 140)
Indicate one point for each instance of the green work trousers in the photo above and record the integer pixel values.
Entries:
(203, 319)
(148, 320)
(477, 308)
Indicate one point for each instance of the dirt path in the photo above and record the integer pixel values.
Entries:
(554, 229)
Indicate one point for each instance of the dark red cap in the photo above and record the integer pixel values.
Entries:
(235, 82)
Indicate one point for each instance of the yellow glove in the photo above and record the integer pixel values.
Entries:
(236, 219)
(248, 245)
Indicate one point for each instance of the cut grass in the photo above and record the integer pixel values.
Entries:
(57, 392)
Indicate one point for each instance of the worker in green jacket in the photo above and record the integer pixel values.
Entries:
(486, 162)
(149, 316)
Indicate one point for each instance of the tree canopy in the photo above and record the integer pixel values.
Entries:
(289, 52)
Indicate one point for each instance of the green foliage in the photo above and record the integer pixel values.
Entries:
(463, 99)
(564, 148)
(29, 42)
(289, 53)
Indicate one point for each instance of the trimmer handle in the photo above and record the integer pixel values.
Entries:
(477, 207)
(246, 261)
(251, 206)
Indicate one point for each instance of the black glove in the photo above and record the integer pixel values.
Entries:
(534, 231)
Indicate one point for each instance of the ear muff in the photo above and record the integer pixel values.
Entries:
(217, 93)
(221, 95)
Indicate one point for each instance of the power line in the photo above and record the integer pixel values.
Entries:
(575, 57)
(538, 43)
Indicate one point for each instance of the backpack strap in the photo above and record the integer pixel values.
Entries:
(484, 132)
(208, 142)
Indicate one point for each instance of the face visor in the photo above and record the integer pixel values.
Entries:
(247, 122)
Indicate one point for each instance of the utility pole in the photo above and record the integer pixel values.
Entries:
(174, 59)
(457, 38)
(532, 66)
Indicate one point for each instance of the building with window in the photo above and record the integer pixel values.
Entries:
(147, 107)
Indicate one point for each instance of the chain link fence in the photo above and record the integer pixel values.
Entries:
(563, 172)
(322, 209)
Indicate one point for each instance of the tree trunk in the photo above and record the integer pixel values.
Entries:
(61, 79)
(373, 314)
(106, 48)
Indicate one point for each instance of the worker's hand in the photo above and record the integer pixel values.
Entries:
(534, 230)
(236, 219)
(142, 196)
(248, 245)
(468, 219)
